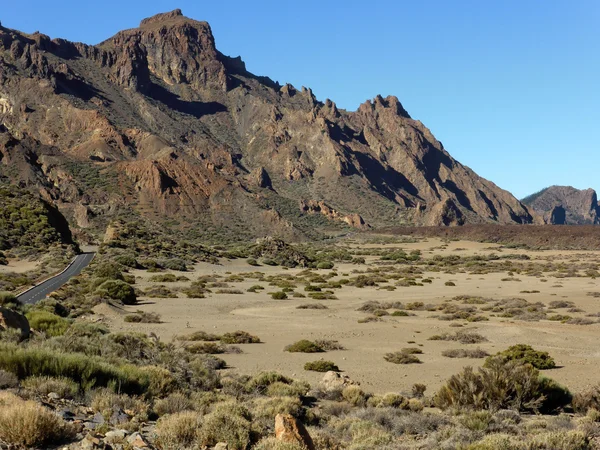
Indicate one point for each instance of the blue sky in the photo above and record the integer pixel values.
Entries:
(510, 87)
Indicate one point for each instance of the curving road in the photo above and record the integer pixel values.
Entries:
(40, 291)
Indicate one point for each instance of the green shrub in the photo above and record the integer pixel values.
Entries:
(304, 346)
(47, 322)
(239, 337)
(321, 366)
(108, 270)
(279, 295)
(325, 265)
(252, 262)
(229, 423)
(143, 317)
(525, 353)
(502, 385)
(401, 358)
(9, 300)
(117, 290)
(87, 371)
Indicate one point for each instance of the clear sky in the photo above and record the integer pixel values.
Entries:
(511, 87)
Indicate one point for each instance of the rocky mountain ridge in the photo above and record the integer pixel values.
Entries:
(565, 205)
(157, 122)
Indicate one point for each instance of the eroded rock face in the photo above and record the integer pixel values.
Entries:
(289, 429)
(565, 205)
(158, 119)
(315, 207)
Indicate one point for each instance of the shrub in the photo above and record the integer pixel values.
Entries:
(526, 354)
(118, 290)
(272, 443)
(312, 306)
(329, 345)
(400, 314)
(87, 371)
(252, 262)
(228, 423)
(449, 283)
(26, 424)
(587, 400)
(163, 278)
(321, 366)
(465, 353)
(41, 385)
(304, 346)
(239, 337)
(325, 265)
(9, 300)
(464, 337)
(279, 295)
(143, 317)
(355, 396)
(8, 380)
(260, 382)
(200, 336)
(174, 403)
(48, 323)
(206, 347)
(179, 430)
(502, 385)
(401, 358)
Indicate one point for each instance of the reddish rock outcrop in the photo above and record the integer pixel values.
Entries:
(289, 429)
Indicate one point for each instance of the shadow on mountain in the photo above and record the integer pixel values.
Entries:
(386, 180)
(193, 108)
(77, 88)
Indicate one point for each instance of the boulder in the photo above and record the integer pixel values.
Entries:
(12, 319)
(289, 429)
(333, 381)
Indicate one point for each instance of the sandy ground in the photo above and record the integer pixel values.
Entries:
(19, 266)
(278, 322)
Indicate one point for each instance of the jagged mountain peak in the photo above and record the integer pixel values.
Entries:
(565, 205)
(182, 129)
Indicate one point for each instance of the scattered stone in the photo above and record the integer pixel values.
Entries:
(221, 446)
(136, 441)
(115, 436)
(288, 429)
(53, 396)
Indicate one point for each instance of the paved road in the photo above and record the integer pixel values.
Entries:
(42, 290)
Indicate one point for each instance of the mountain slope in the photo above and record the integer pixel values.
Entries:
(565, 205)
(158, 122)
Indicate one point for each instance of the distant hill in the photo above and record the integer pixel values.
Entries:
(562, 205)
(157, 121)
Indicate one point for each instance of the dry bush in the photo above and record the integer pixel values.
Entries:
(229, 422)
(174, 403)
(401, 358)
(199, 336)
(321, 366)
(272, 443)
(8, 380)
(104, 400)
(312, 306)
(177, 431)
(465, 353)
(304, 346)
(41, 385)
(239, 337)
(143, 317)
(329, 345)
(25, 424)
(462, 336)
(587, 400)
